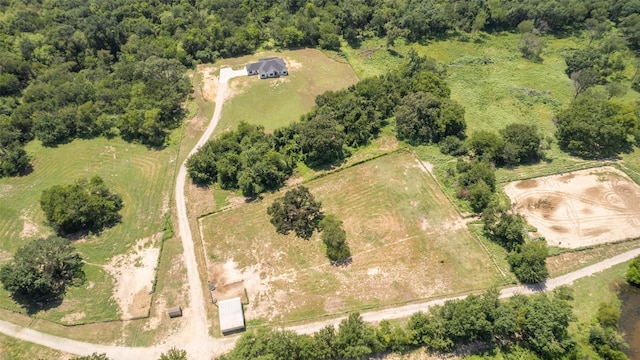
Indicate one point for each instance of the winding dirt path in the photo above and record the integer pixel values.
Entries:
(198, 325)
(199, 345)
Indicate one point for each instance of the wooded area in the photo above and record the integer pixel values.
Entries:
(71, 68)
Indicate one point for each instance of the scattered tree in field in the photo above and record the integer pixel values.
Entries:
(633, 272)
(530, 45)
(174, 354)
(297, 211)
(86, 205)
(41, 270)
(335, 239)
(247, 159)
(529, 263)
(506, 227)
(594, 127)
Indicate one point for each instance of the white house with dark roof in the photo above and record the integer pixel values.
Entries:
(268, 68)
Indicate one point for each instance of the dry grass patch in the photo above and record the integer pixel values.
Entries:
(573, 260)
(582, 208)
(398, 226)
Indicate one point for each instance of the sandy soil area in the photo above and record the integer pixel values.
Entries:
(133, 274)
(581, 208)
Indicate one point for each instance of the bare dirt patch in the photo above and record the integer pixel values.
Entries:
(73, 318)
(133, 274)
(29, 228)
(209, 85)
(581, 208)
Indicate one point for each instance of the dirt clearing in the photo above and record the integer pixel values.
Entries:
(580, 208)
(134, 273)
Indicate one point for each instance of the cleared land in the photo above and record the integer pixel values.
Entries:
(408, 242)
(274, 103)
(581, 208)
(120, 256)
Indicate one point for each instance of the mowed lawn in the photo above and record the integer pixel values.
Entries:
(407, 240)
(141, 176)
(275, 103)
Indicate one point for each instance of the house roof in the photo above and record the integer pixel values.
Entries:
(231, 315)
(267, 65)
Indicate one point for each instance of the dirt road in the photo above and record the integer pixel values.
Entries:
(405, 311)
(198, 325)
(195, 338)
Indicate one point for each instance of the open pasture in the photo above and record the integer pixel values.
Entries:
(121, 255)
(275, 103)
(407, 241)
(581, 208)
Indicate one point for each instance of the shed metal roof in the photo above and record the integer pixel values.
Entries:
(231, 315)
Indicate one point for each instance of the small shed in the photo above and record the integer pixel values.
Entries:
(175, 312)
(231, 315)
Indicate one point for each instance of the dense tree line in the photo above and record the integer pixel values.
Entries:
(474, 178)
(247, 159)
(253, 161)
(537, 324)
(72, 68)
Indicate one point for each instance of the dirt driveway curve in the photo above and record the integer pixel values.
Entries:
(197, 342)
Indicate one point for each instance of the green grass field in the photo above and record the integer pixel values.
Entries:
(141, 176)
(275, 103)
(493, 82)
(11, 348)
(408, 243)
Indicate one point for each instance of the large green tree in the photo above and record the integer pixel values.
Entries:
(529, 262)
(41, 270)
(594, 127)
(334, 238)
(521, 144)
(423, 118)
(297, 211)
(85, 205)
(633, 272)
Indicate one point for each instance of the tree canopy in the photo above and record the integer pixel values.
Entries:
(593, 127)
(335, 239)
(633, 272)
(42, 270)
(297, 211)
(536, 325)
(72, 69)
(423, 118)
(85, 205)
(247, 159)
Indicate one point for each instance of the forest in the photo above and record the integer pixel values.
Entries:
(79, 69)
